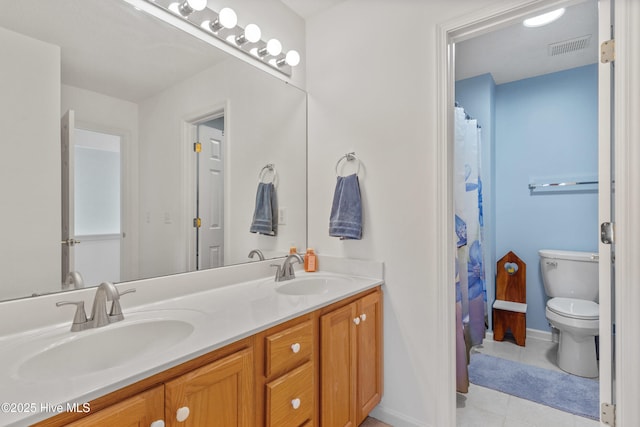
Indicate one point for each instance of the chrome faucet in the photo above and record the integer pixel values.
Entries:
(99, 316)
(256, 252)
(286, 272)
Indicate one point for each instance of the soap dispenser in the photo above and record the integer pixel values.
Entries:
(310, 261)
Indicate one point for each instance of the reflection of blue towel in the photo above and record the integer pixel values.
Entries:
(265, 216)
(346, 213)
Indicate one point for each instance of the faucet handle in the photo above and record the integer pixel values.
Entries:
(116, 310)
(278, 272)
(81, 316)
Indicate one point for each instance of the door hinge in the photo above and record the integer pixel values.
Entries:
(606, 233)
(197, 147)
(608, 51)
(197, 222)
(608, 414)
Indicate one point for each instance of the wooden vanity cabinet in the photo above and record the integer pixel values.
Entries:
(287, 385)
(351, 361)
(323, 368)
(139, 410)
(216, 389)
(219, 394)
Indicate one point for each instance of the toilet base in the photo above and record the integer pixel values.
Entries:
(578, 356)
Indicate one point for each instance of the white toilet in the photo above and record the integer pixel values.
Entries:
(571, 282)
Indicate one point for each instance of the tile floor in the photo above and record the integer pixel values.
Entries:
(483, 407)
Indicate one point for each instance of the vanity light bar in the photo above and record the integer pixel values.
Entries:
(224, 27)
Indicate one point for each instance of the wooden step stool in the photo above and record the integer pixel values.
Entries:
(510, 307)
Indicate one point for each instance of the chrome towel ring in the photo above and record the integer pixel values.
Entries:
(269, 168)
(349, 157)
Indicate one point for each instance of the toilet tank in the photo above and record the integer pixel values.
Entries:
(569, 274)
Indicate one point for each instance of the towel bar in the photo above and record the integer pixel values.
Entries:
(269, 167)
(348, 157)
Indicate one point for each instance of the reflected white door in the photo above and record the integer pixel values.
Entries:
(68, 228)
(210, 198)
(97, 205)
(91, 204)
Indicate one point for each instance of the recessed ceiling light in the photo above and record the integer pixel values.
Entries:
(544, 19)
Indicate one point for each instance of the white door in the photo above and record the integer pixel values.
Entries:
(210, 198)
(68, 229)
(97, 168)
(605, 211)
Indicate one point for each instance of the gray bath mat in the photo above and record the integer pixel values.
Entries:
(568, 393)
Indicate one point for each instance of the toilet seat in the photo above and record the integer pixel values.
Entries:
(574, 308)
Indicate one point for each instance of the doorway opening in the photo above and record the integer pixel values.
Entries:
(205, 136)
(451, 35)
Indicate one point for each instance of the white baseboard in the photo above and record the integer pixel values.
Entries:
(394, 418)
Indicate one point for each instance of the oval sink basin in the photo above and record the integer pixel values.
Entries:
(308, 285)
(95, 350)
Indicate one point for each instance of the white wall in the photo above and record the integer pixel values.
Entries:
(258, 131)
(30, 124)
(371, 78)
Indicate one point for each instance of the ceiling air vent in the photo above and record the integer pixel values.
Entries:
(560, 48)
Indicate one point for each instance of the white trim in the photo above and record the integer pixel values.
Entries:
(472, 25)
(627, 210)
(395, 418)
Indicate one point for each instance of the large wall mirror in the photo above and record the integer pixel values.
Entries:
(100, 111)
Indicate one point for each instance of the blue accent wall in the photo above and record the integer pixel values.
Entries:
(545, 128)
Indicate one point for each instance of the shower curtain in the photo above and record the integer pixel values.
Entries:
(470, 279)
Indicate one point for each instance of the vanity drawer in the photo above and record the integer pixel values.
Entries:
(288, 348)
(291, 397)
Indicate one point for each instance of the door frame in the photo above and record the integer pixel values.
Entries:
(189, 126)
(626, 346)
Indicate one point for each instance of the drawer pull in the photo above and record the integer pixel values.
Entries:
(356, 320)
(182, 414)
(158, 423)
(363, 316)
(295, 347)
(295, 403)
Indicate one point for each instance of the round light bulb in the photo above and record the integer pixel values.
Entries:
(228, 18)
(252, 33)
(197, 4)
(274, 47)
(292, 58)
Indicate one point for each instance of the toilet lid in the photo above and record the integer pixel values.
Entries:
(577, 308)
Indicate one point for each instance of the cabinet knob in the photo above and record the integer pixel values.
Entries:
(182, 414)
(295, 403)
(363, 316)
(356, 320)
(295, 347)
(158, 423)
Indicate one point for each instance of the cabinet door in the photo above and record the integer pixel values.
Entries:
(217, 395)
(369, 365)
(140, 410)
(337, 367)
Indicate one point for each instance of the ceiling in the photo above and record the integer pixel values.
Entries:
(101, 40)
(517, 52)
(308, 8)
(109, 47)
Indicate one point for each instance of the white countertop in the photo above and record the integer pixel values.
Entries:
(220, 316)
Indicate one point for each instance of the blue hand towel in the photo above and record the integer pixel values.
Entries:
(346, 213)
(265, 216)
